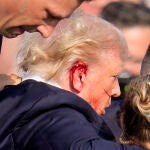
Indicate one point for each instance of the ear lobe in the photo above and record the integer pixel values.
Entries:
(78, 76)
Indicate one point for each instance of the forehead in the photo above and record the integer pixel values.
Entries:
(111, 61)
(63, 8)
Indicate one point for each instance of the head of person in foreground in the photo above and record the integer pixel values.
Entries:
(136, 112)
(33, 16)
(84, 56)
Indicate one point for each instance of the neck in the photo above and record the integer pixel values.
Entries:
(38, 78)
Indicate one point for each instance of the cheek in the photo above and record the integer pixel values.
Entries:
(99, 102)
(97, 97)
(108, 87)
(95, 104)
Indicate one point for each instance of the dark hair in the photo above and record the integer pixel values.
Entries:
(124, 14)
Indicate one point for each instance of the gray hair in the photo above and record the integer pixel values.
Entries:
(53, 57)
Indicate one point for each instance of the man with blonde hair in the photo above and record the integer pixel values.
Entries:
(68, 80)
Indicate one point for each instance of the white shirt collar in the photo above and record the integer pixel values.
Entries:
(38, 78)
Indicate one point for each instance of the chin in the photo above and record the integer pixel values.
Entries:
(100, 112)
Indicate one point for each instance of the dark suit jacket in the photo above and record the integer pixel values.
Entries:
(37, 116)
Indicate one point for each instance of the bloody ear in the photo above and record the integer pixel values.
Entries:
(77, 76)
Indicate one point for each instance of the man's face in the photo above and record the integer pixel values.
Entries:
(30, 15)
(102, 82)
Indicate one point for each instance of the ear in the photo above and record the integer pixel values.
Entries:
(77, 76)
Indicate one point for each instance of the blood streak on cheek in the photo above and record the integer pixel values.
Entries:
(107, 93)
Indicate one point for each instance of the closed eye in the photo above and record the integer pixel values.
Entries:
(115, 77)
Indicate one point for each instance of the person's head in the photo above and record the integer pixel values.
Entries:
(95, 7)
(136, 112)
(145, 67)
(134, 21)
(30, 15)
(83, 56)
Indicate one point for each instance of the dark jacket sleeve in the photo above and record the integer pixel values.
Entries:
(65, 129)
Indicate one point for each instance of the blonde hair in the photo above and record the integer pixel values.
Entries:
(136, 111)
(52, 58)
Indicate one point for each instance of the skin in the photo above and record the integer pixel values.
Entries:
(105, 82)
(33, 15)
(145, 66)
(8, 55)
(138, 39)
(97, 84)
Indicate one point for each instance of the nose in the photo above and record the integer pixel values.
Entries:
(116, 89)
(45, 30)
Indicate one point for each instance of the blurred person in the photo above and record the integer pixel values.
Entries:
(135, 117)
(95, 7)
(145, 67)
(0, 42)
(33, 16)
(146, 3)
(68, 80)
(134, 21)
